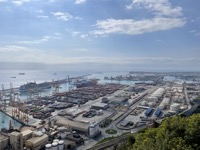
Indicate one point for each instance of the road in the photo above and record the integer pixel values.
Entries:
(109, 143)
(115, 124)
(187, 100)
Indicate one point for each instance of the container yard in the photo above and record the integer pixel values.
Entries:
(68, 119)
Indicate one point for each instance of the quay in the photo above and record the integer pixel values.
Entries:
(61, 81)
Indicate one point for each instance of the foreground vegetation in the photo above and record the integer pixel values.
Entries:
(175, 133)
(111, 131)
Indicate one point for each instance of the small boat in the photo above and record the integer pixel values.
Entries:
(55, 73)
(21, 73)
(13, 77)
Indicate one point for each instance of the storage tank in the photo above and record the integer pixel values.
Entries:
(96, 129)
(92, 129)
(61, 145)
(175, 107)
(54, 146)
(55, 140)
(48, 147)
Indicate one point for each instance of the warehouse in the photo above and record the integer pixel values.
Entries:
(74, 125)
(148, 111)
(157, 112)
(85, 128)
(156, 95)
(3, 141)
(37, 142)
(175, 107)
(165, 102)
(98, 106)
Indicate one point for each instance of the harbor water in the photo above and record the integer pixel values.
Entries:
(5, 121)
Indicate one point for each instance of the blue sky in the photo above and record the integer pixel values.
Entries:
(102, 34)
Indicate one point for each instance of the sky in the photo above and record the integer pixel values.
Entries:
(100, 34)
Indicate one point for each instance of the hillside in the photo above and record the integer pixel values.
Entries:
(174, 133)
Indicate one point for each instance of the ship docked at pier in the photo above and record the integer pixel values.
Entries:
(86, 83)
(33, 85)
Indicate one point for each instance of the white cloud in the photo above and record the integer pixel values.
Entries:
(158, 7)
(84, 35)
(116, 60)
(13, 48)
(43, 16)
(132, 27)
(79, 34)
(195, 32)
(44, 39)
(165, 18)
(80, 1)
(20, 2)
(82, 50)
(64, 16)
(3, 0)
(58, 34)
(75, 33)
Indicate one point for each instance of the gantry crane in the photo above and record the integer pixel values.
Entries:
(55, 87)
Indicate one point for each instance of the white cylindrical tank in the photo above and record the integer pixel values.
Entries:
(92, 129)
(61, 145)
(55, 146)
(48, 147)
(55, 140)
(175, 107)
(100, 112)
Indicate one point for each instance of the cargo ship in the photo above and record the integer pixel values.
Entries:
(33, 85)
(21, 73)
(85, 83)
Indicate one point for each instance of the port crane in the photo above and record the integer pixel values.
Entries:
(70, 85)
(3, 100)
(33, 93)
(55, 87)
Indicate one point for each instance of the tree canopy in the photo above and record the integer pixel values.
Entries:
(174, 133)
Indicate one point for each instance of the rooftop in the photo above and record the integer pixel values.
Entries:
(2, 137)
(74, 124)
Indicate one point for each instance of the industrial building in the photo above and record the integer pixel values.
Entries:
(16, 139)
(156, 95)
(165, 102)
(157, 112)
(37, 141)
(148, 111)
(175, 107)
(99, 106)
(3, 141)
(85, 128)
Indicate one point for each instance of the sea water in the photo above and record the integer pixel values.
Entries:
(38, 76)
(5, 121)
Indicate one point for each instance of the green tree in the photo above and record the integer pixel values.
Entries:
(175, 133)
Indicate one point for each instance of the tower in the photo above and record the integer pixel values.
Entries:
(55, 87)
